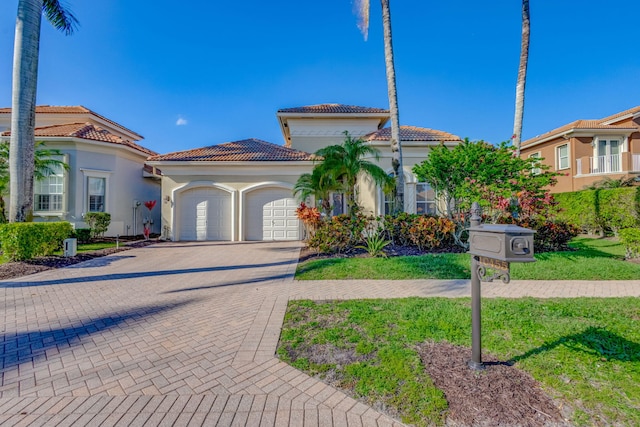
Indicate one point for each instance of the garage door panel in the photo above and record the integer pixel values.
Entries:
(270, 214)
(205, 214)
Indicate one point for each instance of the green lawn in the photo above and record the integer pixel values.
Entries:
(88, 247)
(593, 259)
(584, 351)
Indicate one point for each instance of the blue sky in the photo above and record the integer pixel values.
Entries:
(198, 73)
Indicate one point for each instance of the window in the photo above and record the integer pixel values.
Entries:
(608, 156)
(562, 156)
(96, 193)
(425, 199)
(48, 192)
(535, 170)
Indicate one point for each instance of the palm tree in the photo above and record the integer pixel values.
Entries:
(396, 145)
(522, 78)
(45, 164)
(23, 104)
(318, 184)
(345, 162)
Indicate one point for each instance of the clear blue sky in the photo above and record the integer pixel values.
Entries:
(196, 73)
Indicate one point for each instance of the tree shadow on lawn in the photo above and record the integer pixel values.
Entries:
(594, 341)
(579, 250)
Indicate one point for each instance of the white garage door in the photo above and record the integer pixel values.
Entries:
(205, 214)
(270, 214)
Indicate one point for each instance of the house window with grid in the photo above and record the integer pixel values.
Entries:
(425, 199)
(48, 192)
(562, 156)
(96, 193)
(535, 170)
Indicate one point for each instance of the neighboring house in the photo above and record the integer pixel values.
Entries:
(243, 190)
(107, 170)
(587, 151)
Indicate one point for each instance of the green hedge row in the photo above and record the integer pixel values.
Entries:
(602, 209)
(25, 240)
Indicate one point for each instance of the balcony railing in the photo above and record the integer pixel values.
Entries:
(606, 164)
(635, 163)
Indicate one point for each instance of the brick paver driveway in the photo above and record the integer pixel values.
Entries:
(171, 334)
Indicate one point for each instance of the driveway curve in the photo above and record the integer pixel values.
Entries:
(170, 334)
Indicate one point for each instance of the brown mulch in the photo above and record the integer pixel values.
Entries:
(307, 253)
(500, 395)
(11, 270)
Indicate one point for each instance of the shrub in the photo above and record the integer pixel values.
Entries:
(601, 210)
(98, 222)
(375, 244)
(82, 234)
(339, 234)
(630, 239)
(25, 240)
(310, 217)
(423, 231)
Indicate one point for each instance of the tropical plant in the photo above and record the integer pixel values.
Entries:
(375, 244)
(363, 8)
(522, 77)
(46, 162)
(318, 184)
(345, 163)
(98, 222)
(23, 103)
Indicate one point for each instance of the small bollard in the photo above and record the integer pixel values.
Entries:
(117, 241)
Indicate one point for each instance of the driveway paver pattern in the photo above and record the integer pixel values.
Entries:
(185, 334)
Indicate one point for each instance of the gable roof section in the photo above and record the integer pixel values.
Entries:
(74, 109)
(413, 133)
(587, 125)
(247, 150)
(333, 109)
(86, 131)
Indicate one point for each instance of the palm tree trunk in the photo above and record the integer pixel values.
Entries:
(522, 78)
(23, 109)
(396, 146)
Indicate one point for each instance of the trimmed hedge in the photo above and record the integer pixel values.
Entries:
(602, 209)
(630, 239)
(25, 240)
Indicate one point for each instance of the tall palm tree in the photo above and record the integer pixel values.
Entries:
(396, 145)
(345, 162)
(522, 78)
(23, 104)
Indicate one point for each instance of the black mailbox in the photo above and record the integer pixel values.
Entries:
(507, 243)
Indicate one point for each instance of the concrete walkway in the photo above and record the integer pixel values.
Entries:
(185, 334)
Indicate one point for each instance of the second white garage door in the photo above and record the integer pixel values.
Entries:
(270, 214)
(205, 214)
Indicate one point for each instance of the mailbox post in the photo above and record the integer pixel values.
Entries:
(492, 247)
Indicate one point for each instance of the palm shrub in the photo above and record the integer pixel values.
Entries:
(375, 244)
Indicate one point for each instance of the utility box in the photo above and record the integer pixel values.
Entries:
(70, 247)
(507, 243)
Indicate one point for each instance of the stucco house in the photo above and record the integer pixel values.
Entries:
(242, 190)
(587, 151)
(107, 170)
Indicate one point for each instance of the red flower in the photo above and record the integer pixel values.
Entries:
(150, 204)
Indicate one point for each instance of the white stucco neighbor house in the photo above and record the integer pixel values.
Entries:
(242, 190)
(107, 170)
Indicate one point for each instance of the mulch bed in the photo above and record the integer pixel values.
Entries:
(307, 253)
(500, 395)
(12, 270)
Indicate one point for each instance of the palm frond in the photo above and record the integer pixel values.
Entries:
(59, 16)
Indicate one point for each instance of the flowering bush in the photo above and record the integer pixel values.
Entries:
(423, 231)
(339, 234)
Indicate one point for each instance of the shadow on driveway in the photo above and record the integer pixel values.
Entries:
(22, 347)
(136, 275)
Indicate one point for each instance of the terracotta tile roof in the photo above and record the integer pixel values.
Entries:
(247, 150)
(333, 109)
(86, 131)
(412, 133)
(71, 109)
(633, 110)
(576, 125)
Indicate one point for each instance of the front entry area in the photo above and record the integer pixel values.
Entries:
(205, 214)
(270, 214)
